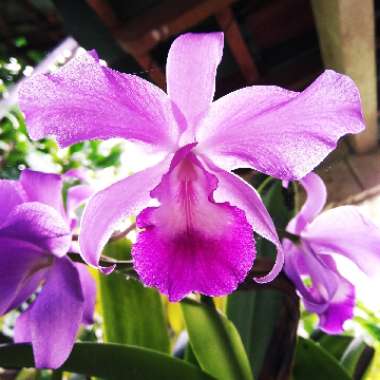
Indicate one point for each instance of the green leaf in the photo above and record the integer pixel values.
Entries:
(76, 147)
(267, 319)
(112, 159)
(353, 353)
(132, 314)
(215, 342)
(312, 362)
(357, 358)
(110, 361)
(372, 328)
(335, 344)
(20, 41)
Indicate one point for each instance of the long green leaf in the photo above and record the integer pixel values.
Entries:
(357, 358)
(255, 315)
(312, 362)
(267, 319)
(215, 342)
(353, 353)
(335, 345)
(111, 361)
(132, 314)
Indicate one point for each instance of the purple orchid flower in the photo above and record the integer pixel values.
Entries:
(200, 237)
(310, 264)
(35, 236)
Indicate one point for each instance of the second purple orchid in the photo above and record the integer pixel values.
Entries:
(310, 263)
(200, 237)
(35, 237)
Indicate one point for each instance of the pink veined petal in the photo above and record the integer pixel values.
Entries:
(22, 267)
(191, 70)
(328, 294)
(281, 133)
(345, 231)
(190, 242)
(43, 187)
(11, 195)
(237, 192)
(109, 206)
(315, 201)
(54, 317)
(40, 225)
(89, 293)
(85, 100)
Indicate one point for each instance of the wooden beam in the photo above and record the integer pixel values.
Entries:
(105, 13)
(143, 58)
(168, 18)
(243, 58)
(347, 39)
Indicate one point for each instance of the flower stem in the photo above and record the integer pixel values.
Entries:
(264, 184)
(122, 234)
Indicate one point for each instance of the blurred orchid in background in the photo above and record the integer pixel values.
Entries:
(35, 237)
(309, 259)
(200, 236)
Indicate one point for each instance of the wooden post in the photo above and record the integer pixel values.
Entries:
(346, 31)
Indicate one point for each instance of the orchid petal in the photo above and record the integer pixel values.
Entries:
(43, 187)
(238, 193)
(11, 195)
(191, 70)
(21, 270)
(54, 317)
(316, 198)
(85, 100)
(329, 295)
(22, 331)
(190, 242)
(89, 293)
(39, 225)
(109, 206)
(77, 195)
(341, 307)
(345, 231)
(77, 173)
(281, 133)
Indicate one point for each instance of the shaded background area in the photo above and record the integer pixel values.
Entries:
(280, 35)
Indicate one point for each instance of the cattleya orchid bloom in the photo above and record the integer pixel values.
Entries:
(200, 236)
(310, 263)
(35, 236)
